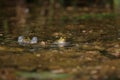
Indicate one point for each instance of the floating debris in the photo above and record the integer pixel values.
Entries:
(1, 34)
(43, 43)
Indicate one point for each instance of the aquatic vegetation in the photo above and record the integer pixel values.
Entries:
(42, 75)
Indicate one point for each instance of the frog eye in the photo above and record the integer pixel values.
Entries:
(34, 40)
(20, 39)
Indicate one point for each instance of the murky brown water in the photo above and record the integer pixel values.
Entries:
(95, 56)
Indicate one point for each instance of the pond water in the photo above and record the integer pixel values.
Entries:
(94, 54)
